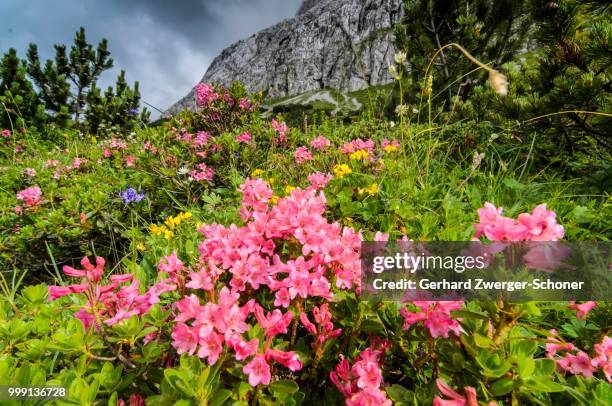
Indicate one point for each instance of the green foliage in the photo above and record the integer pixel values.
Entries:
(63, 91)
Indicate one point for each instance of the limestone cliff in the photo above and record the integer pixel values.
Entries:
(341, 44)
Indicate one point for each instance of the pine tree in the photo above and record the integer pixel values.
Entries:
(575, 72)
(17, 96)
(51, 81)
(117, 108)
(492, 31)
(85, 67)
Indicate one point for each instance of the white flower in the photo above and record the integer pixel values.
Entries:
(393, 71)
(400, 57)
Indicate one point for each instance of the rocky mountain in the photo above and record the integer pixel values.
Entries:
(345, 45)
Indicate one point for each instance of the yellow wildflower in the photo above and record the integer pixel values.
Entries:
(157, 230)
(359, 155)
(288, 189)
(271, 181)
(140, 246)
(274, 199)
(342, 170)
(257, 172)
(168, 234)
(390, 148)
(371, 190)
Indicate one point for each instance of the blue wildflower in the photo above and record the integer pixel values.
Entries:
(133, 112)
(129, 195)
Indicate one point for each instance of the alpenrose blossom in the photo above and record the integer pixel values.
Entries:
(281, 129)
(572, 360)
(435, 316)
(244, 137)
(582, 309)
(110, 303)
(319, 180)
(30, 196)
(320, 143)
(302, 154)
(360, 383)
(540, 225)
(454, 398)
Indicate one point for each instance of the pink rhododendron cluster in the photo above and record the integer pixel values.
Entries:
(582, 309)
(358, 145)
(205, 94)
(320, 143)
(244, 137)
(540, 225)
(245, 104)
(319, 180)
(109, 303)
(302, 154)
(281, 129)
(202, 173)
(577, 362)
(30, 196)
(435, 316)
(322, 328)
(360, 383)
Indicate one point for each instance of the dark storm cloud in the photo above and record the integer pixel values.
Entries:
(166, 45)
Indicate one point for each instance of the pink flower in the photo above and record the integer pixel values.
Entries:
(368, 374)
(258, 371)
(92, 273)
(245, 137)
(30, 172)
(30, 196)
(358, 145)
(454, 398)
(577, 364)
(274, 322)
(244, 104)
(205, 94)
(436, 317)
(185, 338)
(360, 384)
(170, 264)
(77, 162)
(302, 154)
(211, 346)
(319, 180)
(6, 133)
(288, 359)
(243, 349)
(582, 309)
(130, 161)
(320, 142)
(281, 130)
(203, 173)
(542, 224)
(369, 397)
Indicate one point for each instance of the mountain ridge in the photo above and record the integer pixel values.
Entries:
(345, 45)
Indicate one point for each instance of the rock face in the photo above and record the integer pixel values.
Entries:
(341, 44)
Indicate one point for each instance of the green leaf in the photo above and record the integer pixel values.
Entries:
(220, 397)
(543, 384)
(398, 393)
(526, 366)
(283, 389)
(502, 386)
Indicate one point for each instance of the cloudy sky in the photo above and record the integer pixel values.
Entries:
(165, 44)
